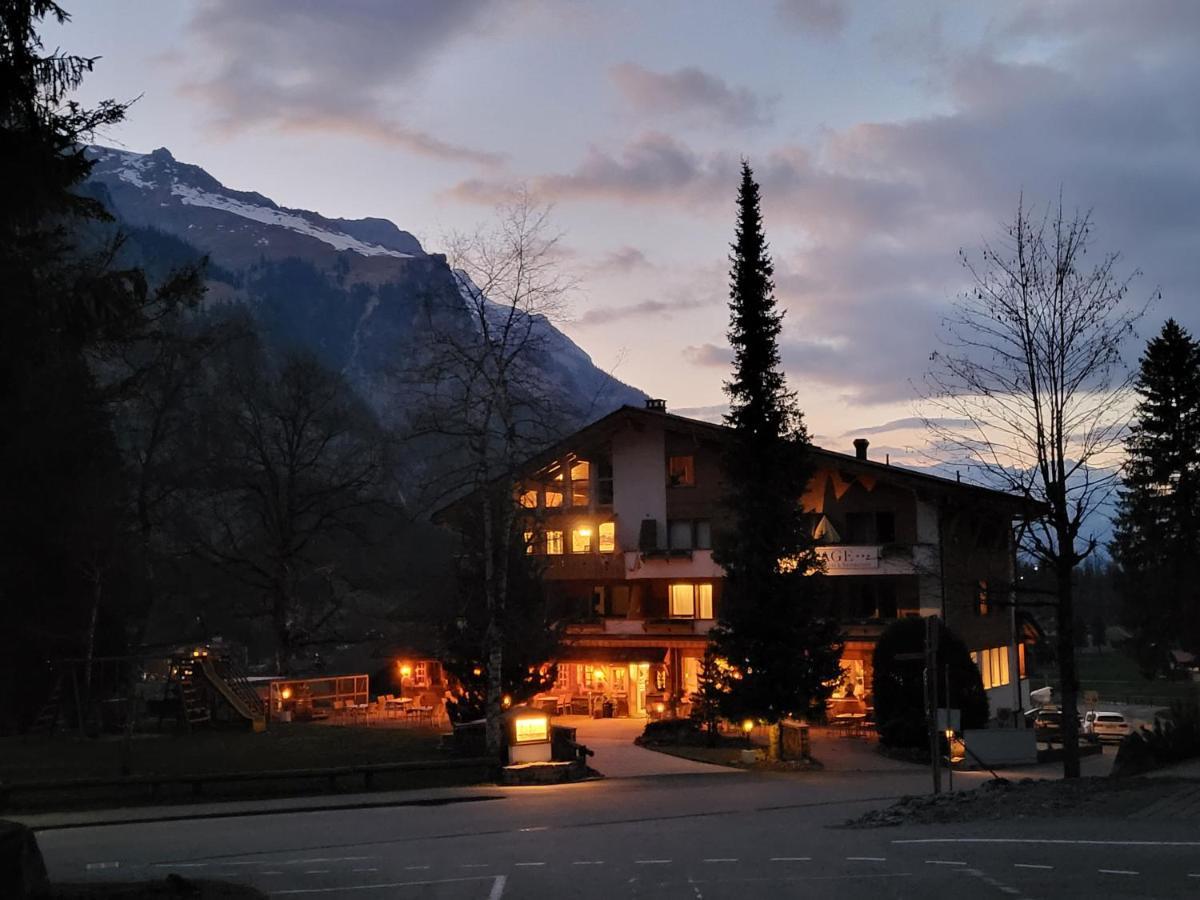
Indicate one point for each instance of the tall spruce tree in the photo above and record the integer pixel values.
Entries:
(1157, 539)
(781, 650)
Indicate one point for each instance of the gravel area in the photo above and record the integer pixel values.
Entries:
(1032, 798)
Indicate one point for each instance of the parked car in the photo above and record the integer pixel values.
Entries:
(1105, 726)
(1046, 724)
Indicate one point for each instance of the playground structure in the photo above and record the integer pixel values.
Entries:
(126, 693)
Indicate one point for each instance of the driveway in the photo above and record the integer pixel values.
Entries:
(617, 756)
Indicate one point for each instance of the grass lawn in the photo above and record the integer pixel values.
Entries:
(210, 751)
(1115, 677)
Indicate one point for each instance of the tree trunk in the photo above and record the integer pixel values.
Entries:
(493, 638)
(283, 632)
(1068, 676)
(90, 648)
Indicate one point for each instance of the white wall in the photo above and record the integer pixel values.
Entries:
(639, 484)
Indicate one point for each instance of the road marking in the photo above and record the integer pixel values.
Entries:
(415, 868)
(365, 870)
(180, 865)
(651, 862)
(866, 859)
(588, 862)
(1030, 866)
(529, 864)
(944, 862)
(536, 828)
(103, 865)
(721, 859)
(791, 859)
(1047, 841)
(473, 866)
(1116, 872)
(497, 891)
(316, 871)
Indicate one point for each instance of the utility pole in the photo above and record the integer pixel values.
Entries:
(931, 698)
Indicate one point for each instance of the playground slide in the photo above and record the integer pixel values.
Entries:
(250, 711)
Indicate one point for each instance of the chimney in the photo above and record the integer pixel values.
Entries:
(655, 404)
(860, 448)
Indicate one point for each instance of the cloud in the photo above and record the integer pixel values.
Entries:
(690, 93)
(826, 17)
(708, 355)
(714, 413)
(905, 424)
(312, 66)
(623, 259)
(645, 309)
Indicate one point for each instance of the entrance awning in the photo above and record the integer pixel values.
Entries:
(635, 654)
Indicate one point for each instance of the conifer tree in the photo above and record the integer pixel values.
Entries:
(781, 651)
(1157, 540)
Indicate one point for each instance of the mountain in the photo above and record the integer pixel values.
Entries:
(357, 292)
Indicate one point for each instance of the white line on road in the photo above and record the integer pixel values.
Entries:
(316, 871)
(588, 862)
(1116, 872)
(791, 859)
(529, 864)
(652, 862)
(1047, 841)
(180, 865)
(498, 883)
(944, 862)
(1030, 866)
(103, 865)
(866, 859)
(415, 868)
(473, 866)
(721, 859)
(365, 870)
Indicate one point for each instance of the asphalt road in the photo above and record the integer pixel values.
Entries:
(685, 836)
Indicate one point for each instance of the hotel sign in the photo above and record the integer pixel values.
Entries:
(842, 559)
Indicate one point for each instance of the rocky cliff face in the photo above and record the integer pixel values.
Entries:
(360, 293)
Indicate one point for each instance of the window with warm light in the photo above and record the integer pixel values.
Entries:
(529, 543)
(704, 601)
(554, 498)
(681, 471)
(691, 601)
(608, 537)
(993, 666)
(580, 482)
(529, 499)
(581, 539)
(554, 543)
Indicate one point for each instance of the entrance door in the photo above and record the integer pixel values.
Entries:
(639, 677)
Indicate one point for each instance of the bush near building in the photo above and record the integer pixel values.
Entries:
(899, 683)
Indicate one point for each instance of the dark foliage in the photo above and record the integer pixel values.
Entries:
(1157, 539)
(783, 652)
(899, 684)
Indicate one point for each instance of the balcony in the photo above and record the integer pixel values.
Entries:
(582, 566)
(619, 625)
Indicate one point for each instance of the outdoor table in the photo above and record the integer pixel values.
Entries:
(398, 704)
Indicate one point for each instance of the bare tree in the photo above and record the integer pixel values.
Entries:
(297, 465)
(1034, 368)
(483, 391)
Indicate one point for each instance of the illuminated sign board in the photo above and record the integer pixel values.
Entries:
(531, 729)
(839, 559)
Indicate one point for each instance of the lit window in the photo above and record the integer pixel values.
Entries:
(529, 542)
(1021, 660)
(553, 498)
(580, 474)
(529, 499)
(608, 537)
(554, 543)
(683, 601)
(581, 539)
(681, 471)
(981, 600)
(704, 601)
(420, 675)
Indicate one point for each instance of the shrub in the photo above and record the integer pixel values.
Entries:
(1174, 738)
(899, 683)
(672, 731)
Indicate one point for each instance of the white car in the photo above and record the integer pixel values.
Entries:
(1105, 726)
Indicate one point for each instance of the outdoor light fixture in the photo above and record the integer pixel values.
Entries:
(286, 693)
(405, 670)
(748, 726)
(660, 707)
(477, 671)
(506, 701)
(585, 532)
